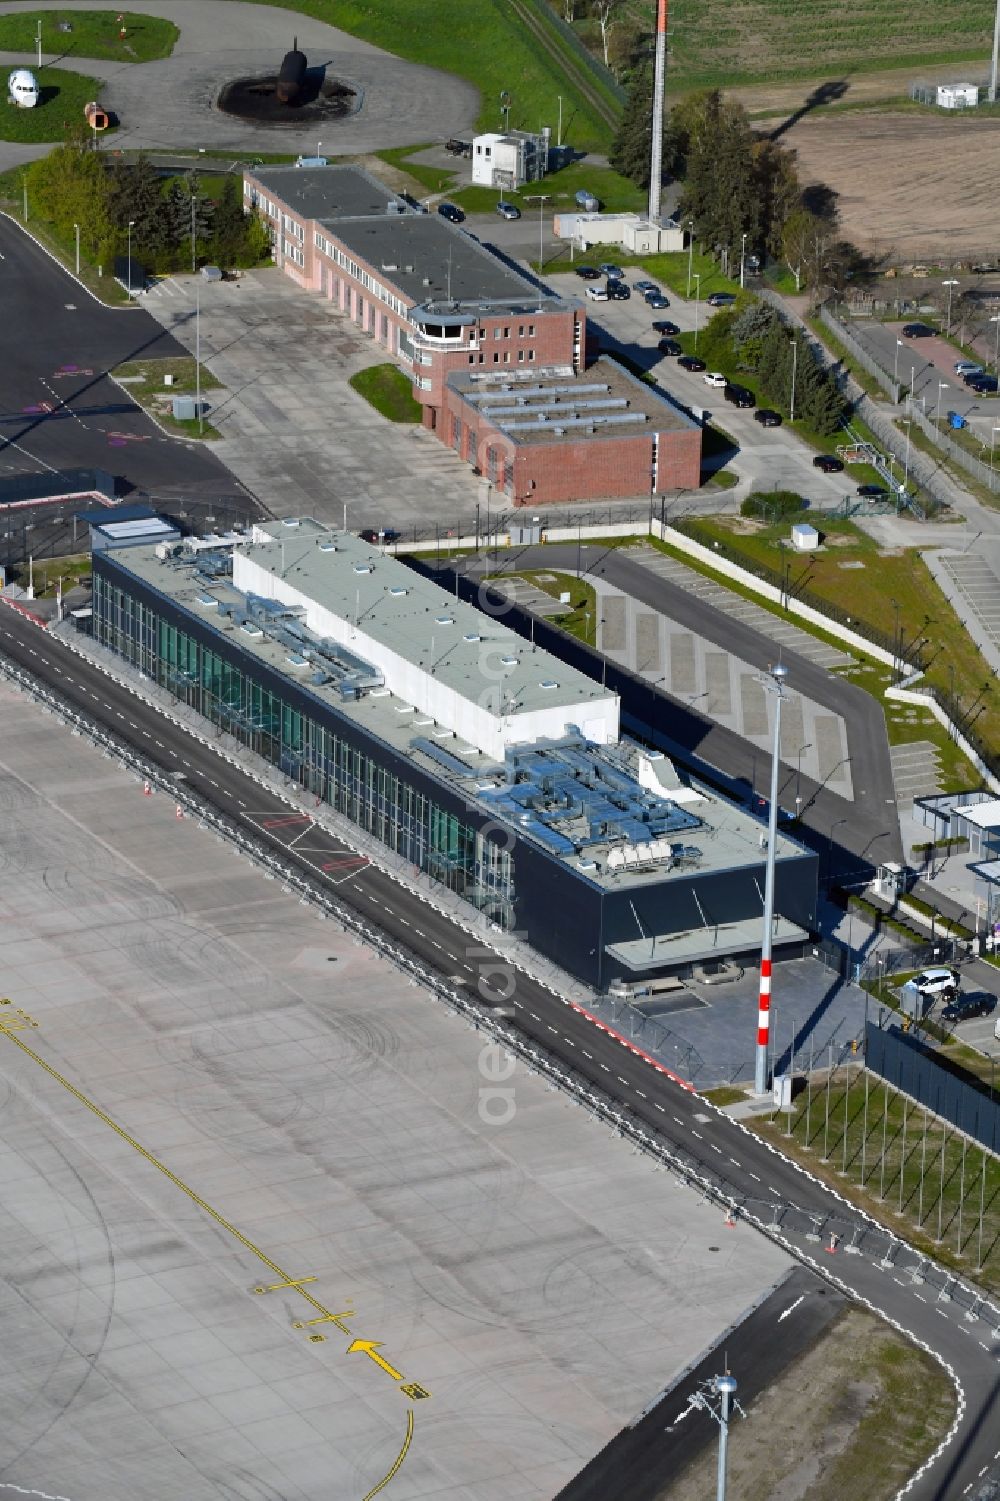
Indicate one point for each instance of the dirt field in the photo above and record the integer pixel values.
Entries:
(918, 187)
(848, 1422)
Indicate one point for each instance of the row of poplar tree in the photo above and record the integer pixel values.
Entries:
(75, 185)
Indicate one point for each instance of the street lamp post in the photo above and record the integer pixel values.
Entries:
(697, 305)
(319, 148)
(952, 282)
(906, 460)
(798, 776)
(38, 41)
(895, 367)
(197, 353)
(942, 386)
(77, 229)
(993, 442)
(743, 260)
(996, 351)
(690, 254)
(131, 225)
(559, 128)
(541, 199)
(774, 684)
(795, 362)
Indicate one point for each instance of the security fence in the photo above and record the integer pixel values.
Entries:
(908, 1064)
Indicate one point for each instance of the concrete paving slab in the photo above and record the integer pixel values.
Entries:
(331, 1115)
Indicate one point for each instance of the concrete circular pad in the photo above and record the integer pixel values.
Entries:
(171, 104)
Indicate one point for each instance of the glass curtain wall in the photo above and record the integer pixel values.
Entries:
(329, 766)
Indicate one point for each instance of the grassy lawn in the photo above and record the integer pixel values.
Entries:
(96, 33)
(46, 575)
(721, 45)
(580, 619)
(615, 192)
(485, 44)
(433, 179)
(389, 391)
(865, 1404)
(62, 96)
(143, 379)
(842, 1143)
(866, 593)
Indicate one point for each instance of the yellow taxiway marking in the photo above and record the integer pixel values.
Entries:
(328, 1318)
(276, 1287)
(369, 1346)
(399, 1459)
(7, 1030)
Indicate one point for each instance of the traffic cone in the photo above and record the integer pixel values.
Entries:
(147, 791)
(832, 1247)
(730, 1220)
(178, 811)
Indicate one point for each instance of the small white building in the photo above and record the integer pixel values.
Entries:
(632, 232)
(957, 95)
(511, 159)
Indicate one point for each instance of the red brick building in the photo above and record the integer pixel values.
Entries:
(461, 319)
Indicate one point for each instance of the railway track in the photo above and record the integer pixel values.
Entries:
(576, 72)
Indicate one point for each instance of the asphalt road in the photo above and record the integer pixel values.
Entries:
(642, 1459)
(58, 409)
(766, 1188)
(848, 835)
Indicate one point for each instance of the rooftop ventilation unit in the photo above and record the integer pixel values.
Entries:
(508, 661)
(291, 521)
(471, 636)
(396, 591)
(328, 547)
(444, 620)
(363, 568)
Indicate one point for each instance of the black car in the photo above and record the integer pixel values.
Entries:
(669, 346)
(872, 492)
(828, 463)
(972, 1003)
(372, 534)
(692, 362)
(664, 326)
(918, 331)
(767, 417)
(588, 273)
(451, 212)
(984, 385)
(657, 300)
(618, 291)
(739, 396)
(721, 299)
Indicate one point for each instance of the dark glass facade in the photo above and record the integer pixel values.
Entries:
(305, 740)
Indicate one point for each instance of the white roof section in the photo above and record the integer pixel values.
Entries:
(470, 673)
(980, 815)
(149, 528)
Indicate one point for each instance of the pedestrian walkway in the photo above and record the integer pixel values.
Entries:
(786, 635)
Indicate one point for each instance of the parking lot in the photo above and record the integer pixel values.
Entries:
(768, 458)
(929, 365)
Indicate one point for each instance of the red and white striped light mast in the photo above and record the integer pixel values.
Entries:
(659, 77)
(774, 684)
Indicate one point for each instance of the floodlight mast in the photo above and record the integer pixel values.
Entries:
(774, 683)
(724, 1389)
(659, 75)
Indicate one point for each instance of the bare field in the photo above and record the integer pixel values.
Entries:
(847, 1422)
(909, 186)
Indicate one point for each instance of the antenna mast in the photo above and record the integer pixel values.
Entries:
(659, 76)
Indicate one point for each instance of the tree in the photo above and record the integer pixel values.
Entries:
(229, 225)
(750, 330)
(70, 187)
(720, 189)
(135, 196)
(818, 400)
(778, 189)
(607, 14)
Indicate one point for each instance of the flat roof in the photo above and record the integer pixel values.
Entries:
(550, 404)
(984, 815)
(416, 618)
(430, 260)
(556, 787)
(331, 193)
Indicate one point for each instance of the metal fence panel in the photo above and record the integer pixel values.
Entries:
(905, 1062)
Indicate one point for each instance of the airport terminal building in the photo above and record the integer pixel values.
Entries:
(459, 319)
(488, 765)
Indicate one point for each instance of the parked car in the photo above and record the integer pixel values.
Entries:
(617, 291)
(664, 326)
(715, 378)
(918, 331)
(739, 396)
(598, 294)
(984, 385)
(609, 269)
(828, 463)
(588, 273)
(657, 300)
(938, 980)
(872, 492)
(587, 201)
(691, 362)
(721, 299)
(972, 1003)
(372, 534)
(508, 210)
(451, 212)
(669, 346)
(967, 367)
(646, 286)
(767, 417)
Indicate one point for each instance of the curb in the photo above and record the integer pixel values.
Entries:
(111, 307)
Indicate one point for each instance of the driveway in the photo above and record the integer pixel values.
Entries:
(170, 104)
(929, 364)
